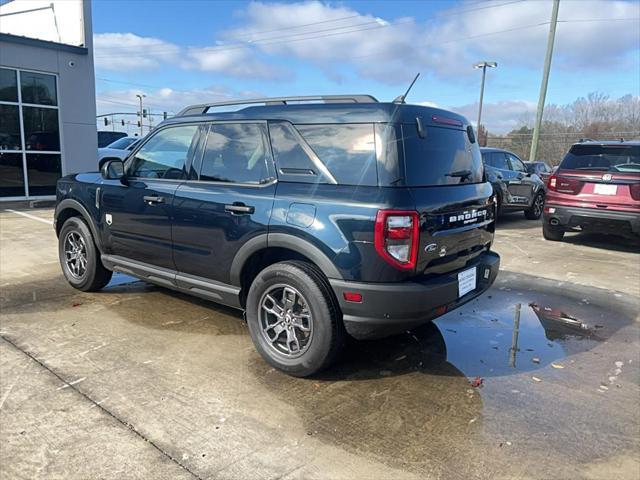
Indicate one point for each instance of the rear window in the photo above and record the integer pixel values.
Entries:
(443, 157)
(605, 158)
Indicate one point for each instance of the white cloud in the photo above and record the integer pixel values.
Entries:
(499, 117)
(123, 51)
(236, 62)
(392, 50)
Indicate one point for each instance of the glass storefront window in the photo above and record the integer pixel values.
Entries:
(8, 85)
(38, 88)
(29, 150)
(43, 171)
(11, 175)
(41, 129)
(10, 128)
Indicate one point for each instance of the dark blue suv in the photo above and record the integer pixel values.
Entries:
(318, 216)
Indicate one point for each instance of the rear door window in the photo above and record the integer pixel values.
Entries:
(445, 156)
(496, 160)
(235, 153)
(605, 158)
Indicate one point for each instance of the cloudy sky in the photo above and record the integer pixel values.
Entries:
(185, 52)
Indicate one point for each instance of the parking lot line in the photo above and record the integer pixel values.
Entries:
(32, 217)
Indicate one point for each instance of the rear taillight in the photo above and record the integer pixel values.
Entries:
(396, 237)
(634, 188)
(564, 185)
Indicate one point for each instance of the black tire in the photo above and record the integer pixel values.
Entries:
(327, 334)
(552, 233)
(94, 276)
(535, 212)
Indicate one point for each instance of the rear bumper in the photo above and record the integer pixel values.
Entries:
(389, 308)
(606, 221)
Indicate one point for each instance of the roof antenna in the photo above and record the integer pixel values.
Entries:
(401, 98)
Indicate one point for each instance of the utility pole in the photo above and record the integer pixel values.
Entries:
(545, 80)
(141, 96)
(483, 66)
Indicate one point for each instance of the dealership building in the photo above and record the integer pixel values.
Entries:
(47, 95)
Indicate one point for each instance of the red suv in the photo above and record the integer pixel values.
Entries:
(595, 188)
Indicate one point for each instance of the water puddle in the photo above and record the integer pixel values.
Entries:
(408, 399)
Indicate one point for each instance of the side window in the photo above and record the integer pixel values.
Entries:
(165, 154)
(294, 163)
(347, 150)
(498, 160)
(235, 153)
(516, 164)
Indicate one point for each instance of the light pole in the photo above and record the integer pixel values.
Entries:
(140, 96)
(483, 66)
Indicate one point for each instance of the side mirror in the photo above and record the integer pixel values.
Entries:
(112, 168)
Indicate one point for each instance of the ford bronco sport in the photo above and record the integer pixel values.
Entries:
(318, 220)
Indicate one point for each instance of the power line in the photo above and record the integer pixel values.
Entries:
(293, 27)
(599, 20)
(128, 83)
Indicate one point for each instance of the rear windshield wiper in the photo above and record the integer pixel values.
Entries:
(463, 174)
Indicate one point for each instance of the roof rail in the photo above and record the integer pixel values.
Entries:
(204, 107)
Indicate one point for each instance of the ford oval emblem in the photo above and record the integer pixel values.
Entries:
(431, 247)
(606, 177)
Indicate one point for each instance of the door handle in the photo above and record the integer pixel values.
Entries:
(153, 199)
(239, 209)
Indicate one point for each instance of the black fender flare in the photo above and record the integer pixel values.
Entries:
(70, 203)
(283, 240)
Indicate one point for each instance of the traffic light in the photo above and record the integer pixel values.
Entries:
(144, 113)
(106, 121)
(164, 115)
(138, 123)
(122, 121)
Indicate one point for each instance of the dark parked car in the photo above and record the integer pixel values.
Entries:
(596, 188)
(515, 187)
(317, 219)
(542, 169)
(105, 137)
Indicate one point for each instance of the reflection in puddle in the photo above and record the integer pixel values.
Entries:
(558, 325)
(504, 336)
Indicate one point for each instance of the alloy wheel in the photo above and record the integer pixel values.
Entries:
(285, 320)
(538, 205)
(75, 253)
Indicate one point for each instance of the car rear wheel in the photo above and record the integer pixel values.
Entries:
(79, 257)
(293, 318)
(535, 212)
(552, 233)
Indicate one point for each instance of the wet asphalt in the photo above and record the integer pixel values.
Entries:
(537, 378)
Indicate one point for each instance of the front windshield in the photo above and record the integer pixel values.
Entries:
(605, 158)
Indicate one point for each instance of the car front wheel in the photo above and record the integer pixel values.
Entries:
(79, 257)
(293, 318)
